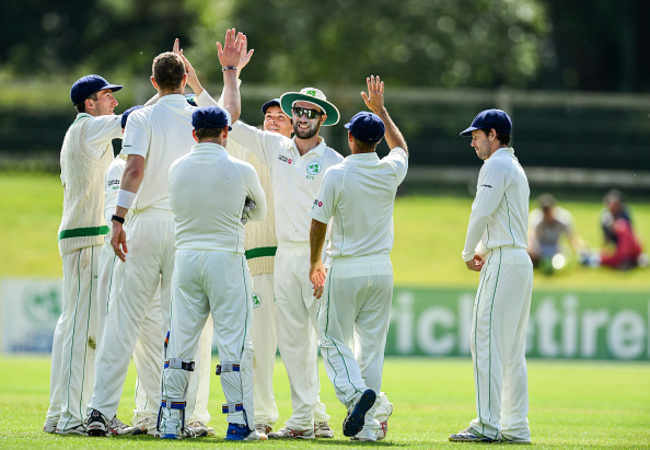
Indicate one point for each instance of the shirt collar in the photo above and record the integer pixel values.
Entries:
(366, 156)
(172, 98)
(318, 150)
(207, 147)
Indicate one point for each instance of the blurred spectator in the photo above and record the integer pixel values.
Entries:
(547, 225)
(622, 250)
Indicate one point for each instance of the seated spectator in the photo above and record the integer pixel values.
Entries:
(622, 250)
(547, 225)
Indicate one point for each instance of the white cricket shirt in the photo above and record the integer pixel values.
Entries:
(499, 215)
(160, 133)
(207, 190)
(296, 179)
(359, 193)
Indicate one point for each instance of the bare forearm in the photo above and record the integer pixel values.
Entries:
(316, 240)
(392, 134)
(231, 95)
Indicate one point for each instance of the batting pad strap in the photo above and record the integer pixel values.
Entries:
(232, 407)
(178, 363)
(227, 366)
(173, 404)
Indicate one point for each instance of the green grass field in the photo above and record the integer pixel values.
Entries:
(429, 237)
(573, 405)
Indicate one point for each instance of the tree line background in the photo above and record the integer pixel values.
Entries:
(538, 44)
(469, 46)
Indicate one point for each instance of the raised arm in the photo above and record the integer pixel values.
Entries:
(374, 100)
(230, 56)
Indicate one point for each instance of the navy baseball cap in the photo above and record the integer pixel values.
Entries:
(366, 127)
(211, 117)
(488, 119)
(267, 105)
(86, 86)
(125, 114)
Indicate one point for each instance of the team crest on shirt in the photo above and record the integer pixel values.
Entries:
(314, 168)
(257, 300)
(317, 204)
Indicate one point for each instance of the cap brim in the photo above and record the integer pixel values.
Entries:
(468, 131)
(288, 99)
(267, 105)
(112, 87)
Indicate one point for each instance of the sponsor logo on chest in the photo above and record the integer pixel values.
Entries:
(312, 168)
(285, 159)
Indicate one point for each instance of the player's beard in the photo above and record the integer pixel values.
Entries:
(302, 133)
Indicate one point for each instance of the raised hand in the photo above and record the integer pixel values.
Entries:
(374, 99)
(234, 49)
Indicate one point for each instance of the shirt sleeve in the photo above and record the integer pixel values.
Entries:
(255, 193)
(100, 132)
(323, 207)
(399, 160)
(263, 144)
(137, 134)
(111, 186)
(205, 99)
(489, 192)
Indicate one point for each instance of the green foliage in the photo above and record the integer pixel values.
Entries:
(573, 405)
(413, 42)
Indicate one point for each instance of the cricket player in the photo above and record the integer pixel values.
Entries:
(86, 153)
(495, 246)
(357, 286)
(297, 166)
(210, 272)
(261, 245)
(146, 410)
(156, 135)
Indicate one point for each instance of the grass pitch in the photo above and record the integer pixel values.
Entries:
(573, 405)
(429, 237)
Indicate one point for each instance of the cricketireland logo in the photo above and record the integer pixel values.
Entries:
(314, 168)
(257, 300)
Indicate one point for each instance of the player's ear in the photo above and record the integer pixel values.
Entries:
(194, 136)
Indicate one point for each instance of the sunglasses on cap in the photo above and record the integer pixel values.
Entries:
(309, 113)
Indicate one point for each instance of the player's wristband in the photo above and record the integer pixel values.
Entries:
(125, 199)
(117, 218)
(223, 69)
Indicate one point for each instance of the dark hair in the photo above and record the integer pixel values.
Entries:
(81, 106)
(206, 133)
(168, 70)
(363, 145)
(502, 136)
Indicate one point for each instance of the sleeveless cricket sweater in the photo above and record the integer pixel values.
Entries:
(261, 242)
(83, 223)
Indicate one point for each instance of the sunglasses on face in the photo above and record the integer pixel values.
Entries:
(310, 113)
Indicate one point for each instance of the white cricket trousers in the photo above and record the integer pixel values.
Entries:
(295, 313)
(149, 263)
(498, 344)
(218, 284)
(353, 322)
(199, 388)
(265, 347)
(73, 348)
